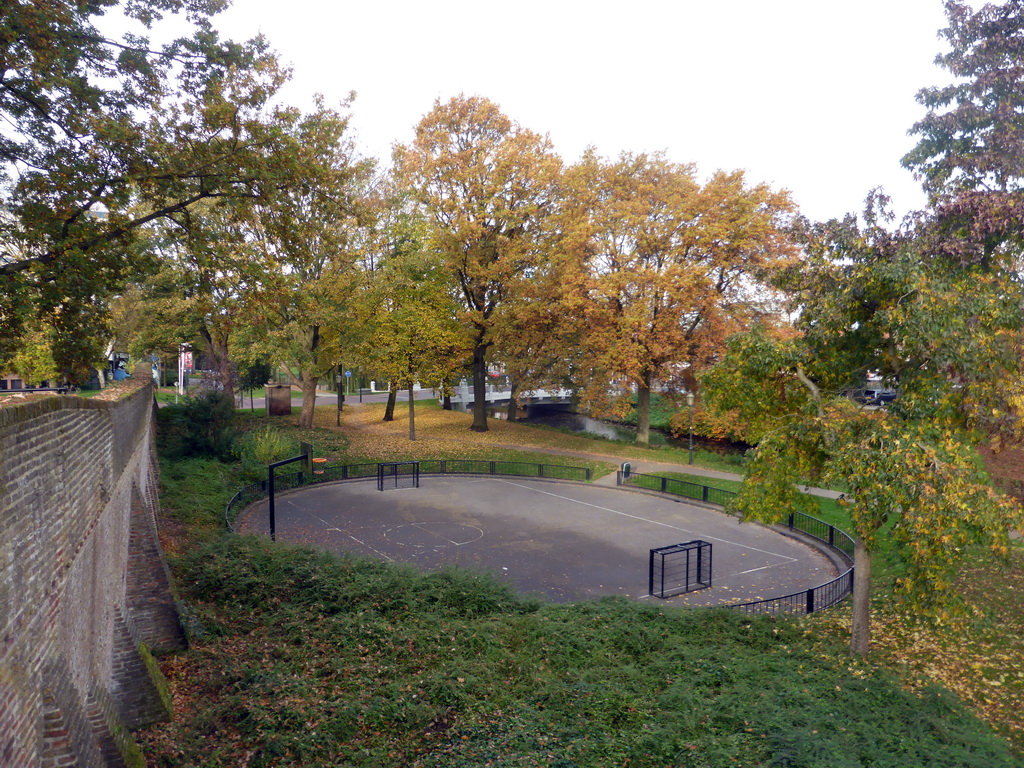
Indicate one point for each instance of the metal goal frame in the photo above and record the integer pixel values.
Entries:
(398, 474)
(679, 568)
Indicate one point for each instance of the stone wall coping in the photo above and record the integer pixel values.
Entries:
(12, 413)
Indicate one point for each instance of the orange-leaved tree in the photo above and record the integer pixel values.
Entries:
(665, 269)
(487, 186)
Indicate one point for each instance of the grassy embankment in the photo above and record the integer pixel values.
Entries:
(301, 658)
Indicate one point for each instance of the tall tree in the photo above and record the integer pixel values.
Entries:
(310, 233)
(411, 331)
(970, 152)
(487, 185)
(936, 309)
(666, 268)
(871, 300)
(104, 135)
(969, 159)
(205, 266)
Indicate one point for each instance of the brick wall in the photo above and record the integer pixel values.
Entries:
(83, 582)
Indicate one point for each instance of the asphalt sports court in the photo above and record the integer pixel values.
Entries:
(561, 541)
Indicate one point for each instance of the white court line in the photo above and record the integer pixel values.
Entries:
(430, 533)
(435, 535)
(646, 520)
(357, 541)
(364, 544)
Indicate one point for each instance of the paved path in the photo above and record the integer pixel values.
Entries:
(646, 467)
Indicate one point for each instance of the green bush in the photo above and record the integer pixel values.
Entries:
(393, 667)
(199, 426)
(262, 447)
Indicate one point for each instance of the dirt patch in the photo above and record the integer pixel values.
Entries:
(1006, 467)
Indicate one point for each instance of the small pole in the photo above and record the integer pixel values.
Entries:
(307, 451)
(341, 397)
(273, 523)
(689, 400)
(412, 414)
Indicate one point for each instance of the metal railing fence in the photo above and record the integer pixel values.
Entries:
(260, 489)
(805, 601)
(802, 602)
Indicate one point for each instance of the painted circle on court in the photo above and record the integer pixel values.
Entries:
(433, 535)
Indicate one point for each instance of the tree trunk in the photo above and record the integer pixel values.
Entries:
(513, 406)
(389, 409)
(479, 387)
(412, 414)
(308, 401)
(446, 395)
(643, 411)
(860, 630)
(217, 350)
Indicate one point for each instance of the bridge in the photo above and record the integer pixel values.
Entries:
(463, 397)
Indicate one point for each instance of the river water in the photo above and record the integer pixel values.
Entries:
(577, 422)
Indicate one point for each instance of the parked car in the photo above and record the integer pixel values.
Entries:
(865, 396)
(882, 398)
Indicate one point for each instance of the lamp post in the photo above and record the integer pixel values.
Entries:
(341, 394)
(689, 402)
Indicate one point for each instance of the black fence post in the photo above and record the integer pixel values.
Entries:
(810, 600)
(273, 526)
(587, 475)
(270, 478)
(705, 493)
(540, 470)
(664, 481)
(650, 571)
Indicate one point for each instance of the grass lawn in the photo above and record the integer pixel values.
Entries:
(440, 431)
(303, 658)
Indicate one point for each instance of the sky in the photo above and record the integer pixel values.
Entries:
(813, 96)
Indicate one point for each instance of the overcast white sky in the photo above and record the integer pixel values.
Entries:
(811, 95)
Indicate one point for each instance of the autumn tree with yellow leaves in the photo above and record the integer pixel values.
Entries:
(487, 186)
(663, 268)
(935, 308)
(308, 236)
(408, 314)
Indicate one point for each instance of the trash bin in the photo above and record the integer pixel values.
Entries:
(279, 399)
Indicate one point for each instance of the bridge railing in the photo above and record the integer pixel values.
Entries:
(464, 394)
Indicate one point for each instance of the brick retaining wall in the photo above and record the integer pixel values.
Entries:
(83, 581)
